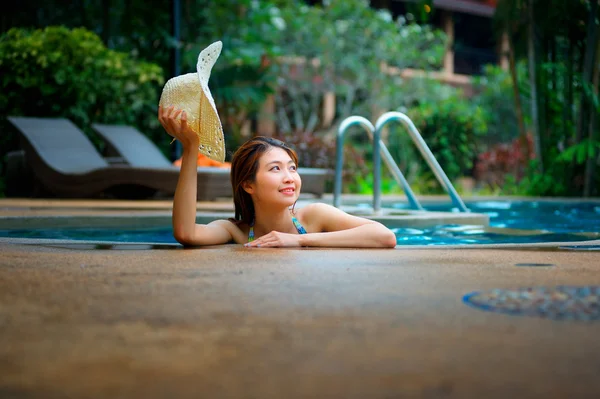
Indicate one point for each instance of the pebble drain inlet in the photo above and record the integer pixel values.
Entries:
(558, 303)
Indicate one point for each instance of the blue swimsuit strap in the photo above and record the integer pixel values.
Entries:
(299, 227)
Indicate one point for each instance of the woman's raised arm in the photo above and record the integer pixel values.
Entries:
(185, 229)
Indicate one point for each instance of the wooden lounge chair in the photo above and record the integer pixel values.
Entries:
(137, 150)
(66, 164)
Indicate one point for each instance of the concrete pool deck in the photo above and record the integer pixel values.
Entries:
(82, 320)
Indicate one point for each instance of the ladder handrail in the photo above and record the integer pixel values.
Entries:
(425, 152)
(387, 158)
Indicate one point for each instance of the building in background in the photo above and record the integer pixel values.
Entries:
(468, 25)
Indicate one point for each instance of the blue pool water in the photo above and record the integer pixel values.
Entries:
(559, 217)
(535, 222)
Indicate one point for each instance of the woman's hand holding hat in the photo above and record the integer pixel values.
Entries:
(190, 96)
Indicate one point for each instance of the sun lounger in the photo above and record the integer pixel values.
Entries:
(65, 163)
(137, 150)
(132, 146)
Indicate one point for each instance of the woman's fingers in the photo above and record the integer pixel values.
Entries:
(162, 112)
(174, 120)
(170, 111)
(175, 114)
(273, 239)
(171, 118)
(183, 121)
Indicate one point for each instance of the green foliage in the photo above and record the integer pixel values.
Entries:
(70, 73)
(562, 54)
(452, 128)
(249, 30)
(495, 96)
(240, 81)
(128, 26)
(347, 47)
(363, 184)
(408, 95)
(533, 183)
(580, 152)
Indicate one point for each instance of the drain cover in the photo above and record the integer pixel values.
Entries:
(558, 303)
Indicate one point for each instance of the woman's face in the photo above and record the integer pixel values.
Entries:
(277, 180)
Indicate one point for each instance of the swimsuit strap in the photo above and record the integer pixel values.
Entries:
(251, 233)
(299, 228)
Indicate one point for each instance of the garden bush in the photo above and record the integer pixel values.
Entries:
(495, 96)
(452, 127)
(504, 163)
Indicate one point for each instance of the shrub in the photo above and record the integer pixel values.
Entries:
(452, 128)
(495, 96)
(504, 163)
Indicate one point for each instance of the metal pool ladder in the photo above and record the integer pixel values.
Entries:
(379, 149)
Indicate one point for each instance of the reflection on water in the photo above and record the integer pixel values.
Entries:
(458, 235)
(118, 247)
(162, 235)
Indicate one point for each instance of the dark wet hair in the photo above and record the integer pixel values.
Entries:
(244, 165)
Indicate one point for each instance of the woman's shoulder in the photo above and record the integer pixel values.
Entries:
(312, 215)
(313, 208)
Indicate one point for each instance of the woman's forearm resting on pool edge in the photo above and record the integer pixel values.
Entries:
(370, 235)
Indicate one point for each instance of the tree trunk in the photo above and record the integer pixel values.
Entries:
(567, 110)
(106, 23)
(515, 82)
(588, 68)
(126, 19)
(82, 13)
(554, 93)
(541, 57)
(590, 166)
(533, 81)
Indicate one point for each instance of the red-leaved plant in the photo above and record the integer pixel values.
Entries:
(504, 159)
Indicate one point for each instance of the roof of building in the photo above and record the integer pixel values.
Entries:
(485, 8)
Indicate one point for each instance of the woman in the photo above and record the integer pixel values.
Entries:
(266, 186)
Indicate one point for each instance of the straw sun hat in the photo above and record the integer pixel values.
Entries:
(190, 93)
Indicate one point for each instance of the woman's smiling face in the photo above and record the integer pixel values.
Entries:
(277, 179)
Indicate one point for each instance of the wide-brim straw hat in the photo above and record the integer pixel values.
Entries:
(191, 94)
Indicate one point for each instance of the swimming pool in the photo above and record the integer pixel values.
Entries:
(510, 222)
